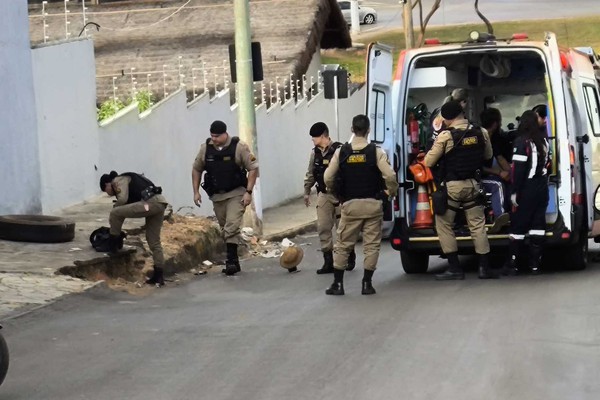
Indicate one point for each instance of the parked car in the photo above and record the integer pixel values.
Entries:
(366, 15)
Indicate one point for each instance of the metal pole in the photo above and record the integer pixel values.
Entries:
(246, 110)
(335, 102)
(409, 35)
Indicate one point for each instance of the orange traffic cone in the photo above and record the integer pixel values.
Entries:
(423, 218)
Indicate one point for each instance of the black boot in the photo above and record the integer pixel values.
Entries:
(157, 277)
(337, 287)
(351, 261)
(510, 266)
(485, 272)
(535, 258)
(232, 260)
(454, 271)
(327, 267)
(367, 286)
(115, 242)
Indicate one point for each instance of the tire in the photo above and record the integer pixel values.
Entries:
(414, 262)
(36, 228)
(3, 358)
(576, 254)
(369, 19)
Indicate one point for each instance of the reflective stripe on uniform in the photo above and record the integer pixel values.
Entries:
(536, 232)
(516, 237)
(519, 157)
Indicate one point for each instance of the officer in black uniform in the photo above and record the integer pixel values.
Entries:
(327, 204)
(231, 172)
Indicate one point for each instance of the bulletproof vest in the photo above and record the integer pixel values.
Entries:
(321, 163)
(222, 173)
(360, 178)
(137, 185)
(466, 157)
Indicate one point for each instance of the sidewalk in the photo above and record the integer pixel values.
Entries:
(35, 274)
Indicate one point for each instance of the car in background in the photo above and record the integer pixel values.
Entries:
(366, 15)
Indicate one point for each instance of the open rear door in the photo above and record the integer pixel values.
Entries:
(380, 63)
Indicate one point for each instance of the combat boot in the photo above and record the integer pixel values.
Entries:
(510, 266)
(535, 258)
(115, 242)
(327, 267)
(351, 261)
(485, 272)
(367, 286)
(157, 277)
(454, 271)
(337, 287)
(232, 260)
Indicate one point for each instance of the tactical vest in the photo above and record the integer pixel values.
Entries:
(359, 176)
(466, 157)
(222, 173)
(321, 163)
(137, 185)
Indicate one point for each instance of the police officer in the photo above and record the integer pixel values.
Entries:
(529, 192)
(327, 203)
(231, 172)
(137, 197)
(463, 148)
(360, 173)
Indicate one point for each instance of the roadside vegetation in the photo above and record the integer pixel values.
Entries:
(108, 108)
(571, 32)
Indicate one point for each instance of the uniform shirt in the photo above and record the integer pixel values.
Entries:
(444, 143)
(121, 188)
(309, 179)
(527, 163)
(359, 143)
(243, 158)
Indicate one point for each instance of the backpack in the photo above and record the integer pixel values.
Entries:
(100, 239)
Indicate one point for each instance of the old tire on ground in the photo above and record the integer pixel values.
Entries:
(414, 262)
(3, 359)
(36, 228)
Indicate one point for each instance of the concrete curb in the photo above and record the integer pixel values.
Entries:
(295, 231)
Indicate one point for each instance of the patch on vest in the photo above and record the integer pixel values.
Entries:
(227, 158)
(325, 162)
(470, 141)
(357, 158)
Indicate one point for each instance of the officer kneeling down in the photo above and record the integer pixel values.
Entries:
(137, 197)
(463, 148)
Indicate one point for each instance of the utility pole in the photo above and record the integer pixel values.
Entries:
(409, 35)
(354, 17)
(245, 102)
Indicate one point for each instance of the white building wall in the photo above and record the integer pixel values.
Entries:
(19, 161)
(67, 127)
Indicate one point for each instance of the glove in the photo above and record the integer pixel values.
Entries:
(513, 200)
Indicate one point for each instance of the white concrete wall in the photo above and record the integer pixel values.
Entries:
(67, 128)
(19, 161)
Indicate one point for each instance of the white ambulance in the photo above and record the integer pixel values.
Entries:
(511, 74)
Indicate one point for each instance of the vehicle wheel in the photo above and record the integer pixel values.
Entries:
(576, 255)
(3, 359)
(414, 262)
(36, 228)
(369, 19)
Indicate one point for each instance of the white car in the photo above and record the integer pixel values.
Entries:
(366, 15)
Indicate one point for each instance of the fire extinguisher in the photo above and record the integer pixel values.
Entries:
(413, 131)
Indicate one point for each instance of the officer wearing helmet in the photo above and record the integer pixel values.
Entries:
(327, 203)
(231, 172)
(463, 148)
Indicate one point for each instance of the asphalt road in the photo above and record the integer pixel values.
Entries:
(462, 11)
(267, 334)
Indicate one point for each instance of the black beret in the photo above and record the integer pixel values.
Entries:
(318, 129)
(218, 127)
(451, 110)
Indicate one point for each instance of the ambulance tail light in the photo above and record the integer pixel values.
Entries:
(564, 62)
(520, 36)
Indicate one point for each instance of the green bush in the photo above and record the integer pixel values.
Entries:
(109, 108)
(145, 100)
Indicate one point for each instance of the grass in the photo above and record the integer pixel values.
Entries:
(571, 32)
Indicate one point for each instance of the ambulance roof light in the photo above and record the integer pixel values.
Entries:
(481, 37)
(520, 36)
(432, 41)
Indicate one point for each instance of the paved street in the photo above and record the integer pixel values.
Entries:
(462, 11)
(268, 334)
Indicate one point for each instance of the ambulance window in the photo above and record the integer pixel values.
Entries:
(592, 108)
(377, 116)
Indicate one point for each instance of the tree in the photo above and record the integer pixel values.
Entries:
(423, 22)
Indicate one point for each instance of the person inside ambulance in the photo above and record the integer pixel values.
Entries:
(464, 149)
(541, 112)
(529, 193)
(437, 121)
